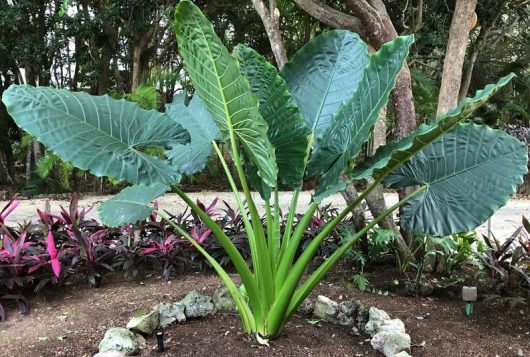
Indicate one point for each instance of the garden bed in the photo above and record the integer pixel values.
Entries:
(71, 322)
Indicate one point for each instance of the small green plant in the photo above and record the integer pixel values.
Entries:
(309, 120)
(379, 242)
(451, 254)
(459, 251)
(361, 281)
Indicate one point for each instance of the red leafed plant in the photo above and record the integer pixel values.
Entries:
(210, 210)
(165, 252)
(54, 255)
(200, 234)
(8, 208)
(91, 248)
(19, 260)
(12, 258)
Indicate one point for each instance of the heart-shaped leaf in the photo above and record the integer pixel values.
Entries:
(469, 172)
(98, 133)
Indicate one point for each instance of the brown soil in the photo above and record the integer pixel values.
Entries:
(72, 321)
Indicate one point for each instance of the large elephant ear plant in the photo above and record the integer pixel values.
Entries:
(310, 119)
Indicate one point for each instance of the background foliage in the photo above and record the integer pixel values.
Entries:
(120, 47)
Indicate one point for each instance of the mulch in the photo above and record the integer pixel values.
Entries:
(71, 322)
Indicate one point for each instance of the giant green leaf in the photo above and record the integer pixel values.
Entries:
(351, 127)
(287, 128)
(469, 172)
(223, 89)
(98, 133)
(324, 73)
(130, 205)
(391, 155)
(196, 119)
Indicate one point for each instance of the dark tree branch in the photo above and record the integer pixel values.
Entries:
(330, 16)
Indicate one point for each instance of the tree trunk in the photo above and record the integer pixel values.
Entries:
(455, 55)
(467, 75)
(102, 46)
(33, 155)
(308, 28)
(403, 105)
(5, 177)
(140, 52)
(485, 37)
(103, 83)
(468, 71)
(379, 30)
(359, 220)
(452, 79)
(376, 199)
(330, 16)
(7, 161)
(136, 67)
(271, 21)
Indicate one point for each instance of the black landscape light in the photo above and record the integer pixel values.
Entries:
(160, 341)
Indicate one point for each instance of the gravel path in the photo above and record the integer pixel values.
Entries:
(503, 222)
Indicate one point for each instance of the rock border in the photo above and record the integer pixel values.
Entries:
(388, 336)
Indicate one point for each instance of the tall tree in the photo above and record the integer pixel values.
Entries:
(146, 23)
(455, 55)
(28, 28)
(501, 25)
(270, 16)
